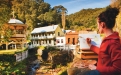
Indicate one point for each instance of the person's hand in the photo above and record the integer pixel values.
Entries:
(88, 40)
(92, 67)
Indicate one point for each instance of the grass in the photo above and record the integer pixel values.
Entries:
(7, 51)
(18, 68)
(11, 51)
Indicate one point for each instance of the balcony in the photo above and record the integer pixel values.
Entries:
(43, 37)
(49, 37)
(19, 35)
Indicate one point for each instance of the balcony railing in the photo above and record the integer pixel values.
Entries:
(43, 37)
(19, 35)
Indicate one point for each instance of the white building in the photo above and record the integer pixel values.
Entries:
(60, 41)
(45, 36)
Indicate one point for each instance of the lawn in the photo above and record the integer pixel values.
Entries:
(11, 51)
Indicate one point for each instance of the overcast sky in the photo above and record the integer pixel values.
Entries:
(76, 5)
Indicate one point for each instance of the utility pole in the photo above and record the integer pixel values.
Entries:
(63, 19)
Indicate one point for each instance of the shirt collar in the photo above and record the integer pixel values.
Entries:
(114, 36)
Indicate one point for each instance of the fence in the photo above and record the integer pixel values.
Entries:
(21, 56)
(66, 47)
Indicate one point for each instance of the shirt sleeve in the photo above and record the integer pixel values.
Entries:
(115, 53)
(94, 49)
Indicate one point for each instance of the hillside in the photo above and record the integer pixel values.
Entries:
(85, 18)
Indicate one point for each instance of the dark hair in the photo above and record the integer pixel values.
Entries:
(108, 16)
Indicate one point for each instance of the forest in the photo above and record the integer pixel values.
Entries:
(37, 13)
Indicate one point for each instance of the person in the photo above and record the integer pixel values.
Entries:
(109, 52)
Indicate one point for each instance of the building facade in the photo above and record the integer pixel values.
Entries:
(45, 36)
(17, 39)
(60, 41)
(72, 37)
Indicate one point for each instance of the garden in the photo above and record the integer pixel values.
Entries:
(8, 64)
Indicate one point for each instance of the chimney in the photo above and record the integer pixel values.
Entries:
(63, 19)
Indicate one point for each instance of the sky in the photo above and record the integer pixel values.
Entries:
(76, 5)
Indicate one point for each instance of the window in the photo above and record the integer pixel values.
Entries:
(73, 41)
(37, 41)
(58, 33)
(49, 41)
(77, 40)
(61, 40)
(68, 40)
(58, 41)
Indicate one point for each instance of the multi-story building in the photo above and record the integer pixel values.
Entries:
(18, 37)
(45, 35)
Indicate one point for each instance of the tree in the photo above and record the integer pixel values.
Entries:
(4, 14)
(53, 16)
(85, 18)
(117, 4)
(4, 17)
(62, 11)
(29, 11)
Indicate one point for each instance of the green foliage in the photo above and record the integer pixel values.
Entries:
(7, 58)
(51, 48)
(11, 52)
(4, 14)
(32, 52)
(9, 66)
(64, 73)
(42, 47)
(17, 68)
(28, 11)
(85, 18)
(117, 4)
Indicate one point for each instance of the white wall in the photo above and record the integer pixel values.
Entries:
(60, 41)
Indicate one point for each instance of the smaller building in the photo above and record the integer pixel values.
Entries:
(72, 37)
(60, 41)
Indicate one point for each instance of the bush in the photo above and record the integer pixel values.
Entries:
(7, 58)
